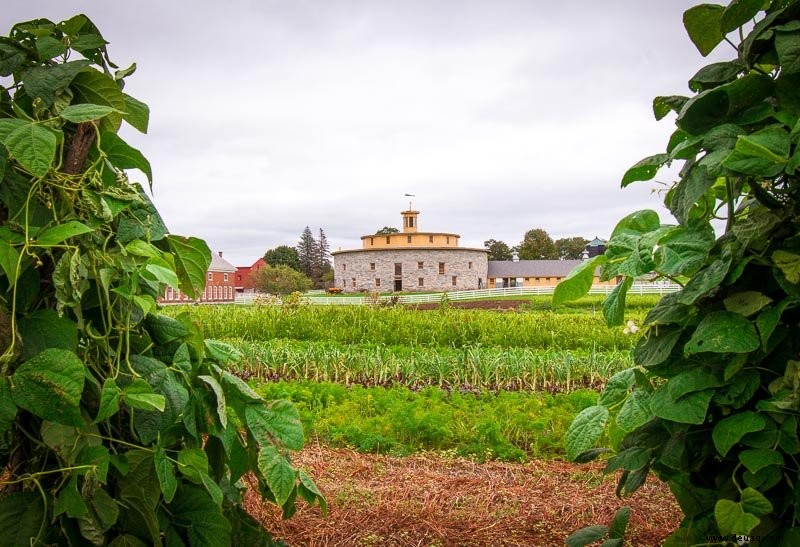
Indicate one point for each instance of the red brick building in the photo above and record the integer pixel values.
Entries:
(220, 287)
(243, 281)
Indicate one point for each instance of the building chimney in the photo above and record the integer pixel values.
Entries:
(220, 254)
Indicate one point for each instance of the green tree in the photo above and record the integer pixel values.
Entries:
(386, 230)
(322, 262)
(713, 403)
(280, 279)
(571, 248)
(307, 250)
(537, 245)
(498, 250)
(283, 255)
(118, 425)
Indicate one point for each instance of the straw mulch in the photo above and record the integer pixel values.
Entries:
(438, 500)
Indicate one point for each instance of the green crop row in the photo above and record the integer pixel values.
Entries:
(475, 368)
(504, 425)
(571, 328)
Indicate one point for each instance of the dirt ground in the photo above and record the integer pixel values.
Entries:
(433, 499)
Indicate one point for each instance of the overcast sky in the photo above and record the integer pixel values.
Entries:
(499, 115)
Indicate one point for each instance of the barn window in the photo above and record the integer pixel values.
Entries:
(441, 267)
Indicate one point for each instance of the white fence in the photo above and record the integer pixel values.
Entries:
(636, 288)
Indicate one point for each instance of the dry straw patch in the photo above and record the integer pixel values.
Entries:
(433, 499)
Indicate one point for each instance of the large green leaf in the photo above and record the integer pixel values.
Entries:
(756, 459)
(79, 113)
(723, 332)
(137, 113)
(684, 250)
(730, 430)
(732, 519)
(277, 422)
(93, 87)
(690, 409)
(164, 328)
(586, 536)
(614, 304)
(45, 329)
(109, 400)
(123, 156)
(585, 430)
(9, 261)
(764, 153)
(164, 382)
(220, 396)
(688, 190)
(202, 519)
(703, 24)
(278, 472)
(44, 82)
(637, 223)
(738, 13)
(192, 259)
(645, 169)
(50, 385)
(787, 44)
(789, 264)
(635, 411)
(708, 278)
(32, 145)
(710, 108)
(664, 105)
(746, 303)
(22, 518)
(140, 492)
(578, 282)
(715, 74)
(617, 388)
(61, 232)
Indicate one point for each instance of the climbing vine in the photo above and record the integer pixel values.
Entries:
(118, 425)
(712, 405)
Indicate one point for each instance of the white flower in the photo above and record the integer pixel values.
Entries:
(631, 328)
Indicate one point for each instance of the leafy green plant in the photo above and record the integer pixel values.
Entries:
(712, 405)
(118, 425)
(505, 426)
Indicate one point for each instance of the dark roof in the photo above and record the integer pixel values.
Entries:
(531, 268)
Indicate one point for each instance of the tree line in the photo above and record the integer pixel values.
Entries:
(538, 245)
(302, 267)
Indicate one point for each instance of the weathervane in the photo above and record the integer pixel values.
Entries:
(409, 201)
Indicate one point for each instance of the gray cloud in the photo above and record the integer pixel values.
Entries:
(500, 116)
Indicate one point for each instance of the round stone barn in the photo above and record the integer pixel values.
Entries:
(411, 261)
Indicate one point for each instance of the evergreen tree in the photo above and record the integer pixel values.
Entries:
(322, 262)
(307, 252)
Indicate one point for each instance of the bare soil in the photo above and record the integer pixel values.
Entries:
(433, 499)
